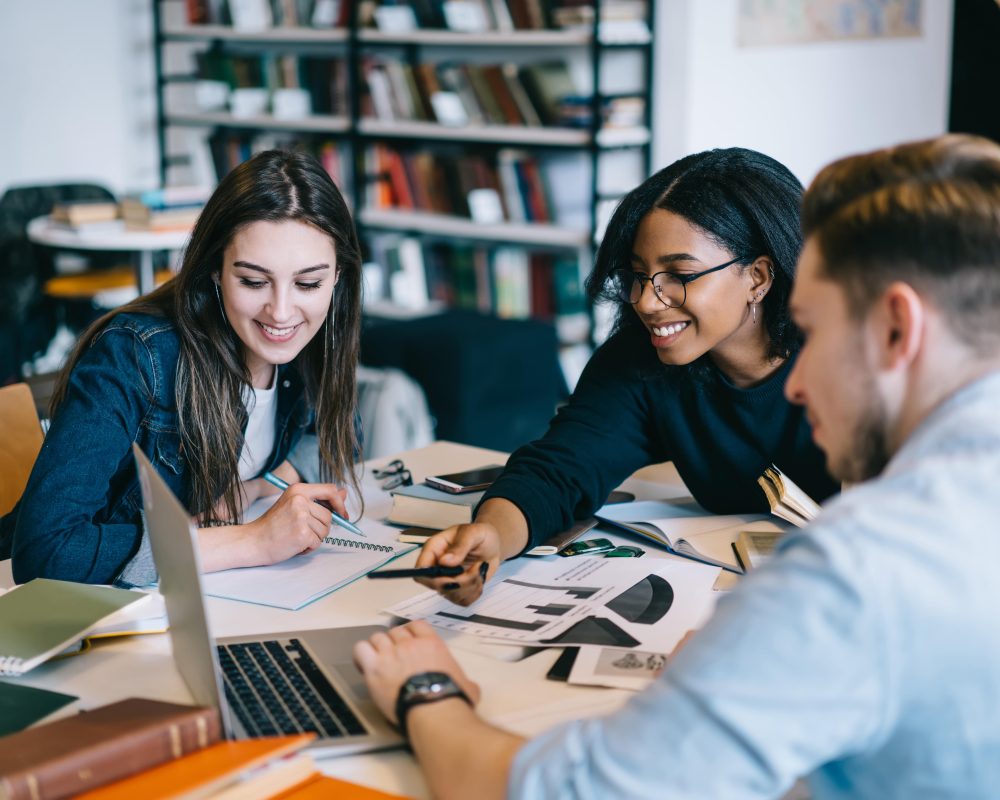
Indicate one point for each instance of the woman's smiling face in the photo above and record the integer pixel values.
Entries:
(716, 312)
(276, 287)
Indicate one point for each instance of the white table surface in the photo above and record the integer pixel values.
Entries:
(516, 694)
(112, 235)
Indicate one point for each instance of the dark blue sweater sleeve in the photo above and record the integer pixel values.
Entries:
(59, 531)
(599, 438)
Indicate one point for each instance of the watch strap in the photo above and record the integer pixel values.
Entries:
(409, 697)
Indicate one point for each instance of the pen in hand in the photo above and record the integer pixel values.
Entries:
(437, 571)
(274, 480)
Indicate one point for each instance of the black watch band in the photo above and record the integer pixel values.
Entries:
(423, 688)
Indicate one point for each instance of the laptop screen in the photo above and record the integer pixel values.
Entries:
(171, 536)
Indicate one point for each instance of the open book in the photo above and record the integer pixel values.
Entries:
(684, 529)
(786, 499)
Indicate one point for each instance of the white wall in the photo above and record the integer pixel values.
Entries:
(76, 93)
(803, 104)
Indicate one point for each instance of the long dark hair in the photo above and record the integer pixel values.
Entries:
(745, 201)
(272, 186)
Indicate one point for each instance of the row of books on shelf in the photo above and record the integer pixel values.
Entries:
(617, 16)
(250, 15)
(508, 186)
(174, 208)
(152, 749)
(230, 149)
(457, 94)
(511, 282)
(322, 82)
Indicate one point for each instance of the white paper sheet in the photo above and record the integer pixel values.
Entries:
(648, 603)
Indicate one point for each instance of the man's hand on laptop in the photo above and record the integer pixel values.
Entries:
(388, 659)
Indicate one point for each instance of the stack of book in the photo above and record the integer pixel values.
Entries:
(175, 208)
(84, 212)
(150, 749)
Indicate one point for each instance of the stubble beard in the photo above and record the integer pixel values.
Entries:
(868, 450)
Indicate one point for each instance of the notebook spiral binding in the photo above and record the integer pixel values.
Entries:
(11, 666)
(382, 548)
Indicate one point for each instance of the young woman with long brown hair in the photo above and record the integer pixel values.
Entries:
(243, 363)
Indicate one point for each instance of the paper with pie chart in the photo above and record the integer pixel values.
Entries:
(648, 603)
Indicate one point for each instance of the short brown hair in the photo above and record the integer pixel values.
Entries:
(925, 213)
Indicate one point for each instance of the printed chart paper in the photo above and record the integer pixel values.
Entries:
(618, 669)
(648, 603)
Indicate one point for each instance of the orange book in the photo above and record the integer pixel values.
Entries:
(323, 786)
(201, 774)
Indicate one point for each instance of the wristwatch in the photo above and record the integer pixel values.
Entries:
(425, 687)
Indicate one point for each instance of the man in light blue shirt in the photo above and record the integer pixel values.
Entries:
(866, 654)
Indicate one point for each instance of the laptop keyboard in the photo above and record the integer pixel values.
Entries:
(275, 687)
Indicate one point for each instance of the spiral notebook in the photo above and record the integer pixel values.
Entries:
(292, 584)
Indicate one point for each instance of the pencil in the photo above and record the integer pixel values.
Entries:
(274, 480)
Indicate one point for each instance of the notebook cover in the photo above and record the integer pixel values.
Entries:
(90, 749)
(203, 773)
(21, 706)
(42, 617)
(324, 787)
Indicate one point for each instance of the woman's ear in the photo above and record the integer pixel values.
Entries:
(761, 275)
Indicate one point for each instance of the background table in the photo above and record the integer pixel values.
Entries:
(110, 236)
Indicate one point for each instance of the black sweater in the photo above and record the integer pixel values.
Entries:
(629, 411)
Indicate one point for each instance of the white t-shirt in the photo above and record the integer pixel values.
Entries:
(261, 405)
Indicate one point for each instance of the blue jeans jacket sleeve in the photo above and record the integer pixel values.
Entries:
(72, 523)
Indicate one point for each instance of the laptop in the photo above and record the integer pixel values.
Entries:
(263, 685)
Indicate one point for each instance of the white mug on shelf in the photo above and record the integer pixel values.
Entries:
(291, 103)
(248, 102)
(211, 95)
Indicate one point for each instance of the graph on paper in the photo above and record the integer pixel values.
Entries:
(608, 602)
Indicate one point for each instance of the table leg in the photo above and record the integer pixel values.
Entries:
(144, 271)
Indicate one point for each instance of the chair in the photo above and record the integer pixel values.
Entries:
(20, 441)
(28, 318)
(489, 382)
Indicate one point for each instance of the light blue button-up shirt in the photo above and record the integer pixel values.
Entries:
(865, 655)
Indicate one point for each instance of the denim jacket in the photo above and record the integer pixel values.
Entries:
(80, 517)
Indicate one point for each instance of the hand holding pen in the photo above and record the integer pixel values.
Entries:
(336, 518)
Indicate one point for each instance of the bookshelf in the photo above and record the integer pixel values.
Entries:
(382, 108)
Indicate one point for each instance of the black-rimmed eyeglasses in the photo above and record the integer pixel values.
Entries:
(670, 287)
(395, 474)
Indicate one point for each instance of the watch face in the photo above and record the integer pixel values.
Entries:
(429, 683)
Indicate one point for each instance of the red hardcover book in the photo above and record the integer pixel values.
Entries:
(96, 747)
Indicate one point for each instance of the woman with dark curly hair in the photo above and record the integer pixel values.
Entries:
(700, 260)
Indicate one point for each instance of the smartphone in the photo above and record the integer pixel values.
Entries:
(471, 480)
(587, 547)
